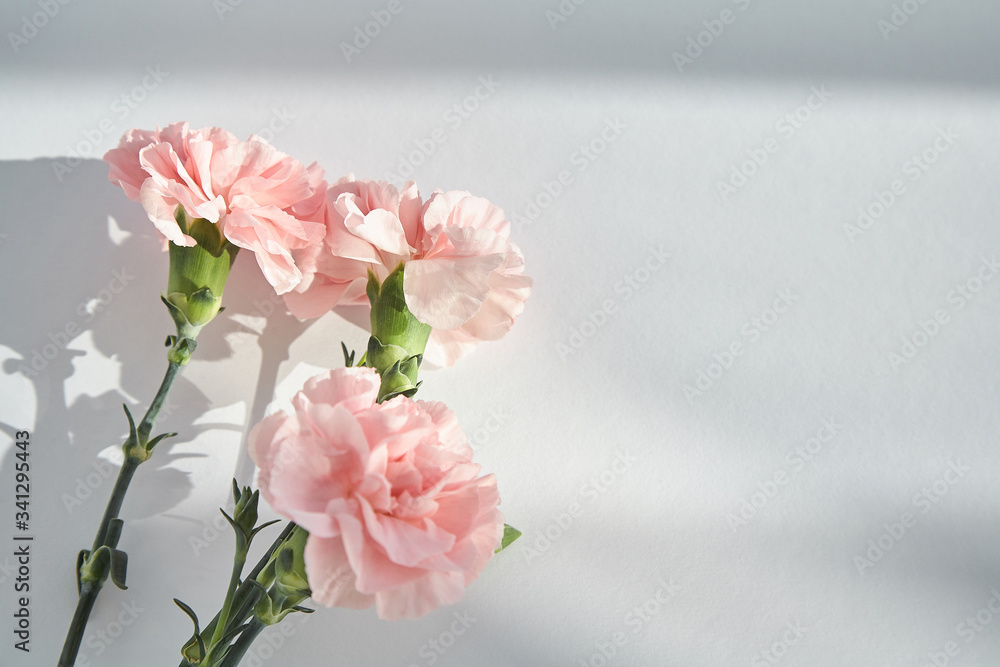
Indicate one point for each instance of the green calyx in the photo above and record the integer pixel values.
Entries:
(285, 577)
(94, 567)
(398, 369)
(197, 275)
(396, 346)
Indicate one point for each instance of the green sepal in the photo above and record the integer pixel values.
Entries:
(289, 585)
(270, 607)
(81, 558)
(155, 441)
(194, 650)
(94, 566)
(133, 435)
(181, 347)
(198, 274)
(399, 379)
(381, 356)
(114, 533)
(263, 526)
(119, 566)
(348, 358)
(290, 565)
(510, 533)
(391, 320)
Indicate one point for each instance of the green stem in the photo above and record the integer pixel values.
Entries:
(242, 644)
(88, 596)
(125, 474)
(149, 419)
(135, 453)
(234, 581)
(242, 600)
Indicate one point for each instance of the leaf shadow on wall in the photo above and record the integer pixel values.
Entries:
(85, 270)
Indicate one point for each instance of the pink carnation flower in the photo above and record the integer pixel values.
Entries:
(396, 512)
(262, 199)
(463, 276)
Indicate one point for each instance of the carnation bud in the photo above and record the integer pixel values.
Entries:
(244, 518)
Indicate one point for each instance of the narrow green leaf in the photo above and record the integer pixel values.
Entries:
(155, 441)
(132, 434)
(119, 565)
(263, 526)
(510, 533)
(114, 532)
(348, 358)
(190, 612)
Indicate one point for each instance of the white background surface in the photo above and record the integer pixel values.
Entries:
(548, 422)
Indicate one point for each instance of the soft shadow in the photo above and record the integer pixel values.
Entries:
(96, 269)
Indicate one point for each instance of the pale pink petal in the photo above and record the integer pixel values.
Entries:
(446, 293)
(395, 507)
(264, 200)
(420, 597)
(405, 543)
(275, 260)
(331, 578)
(123, 161)
(383, 230)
